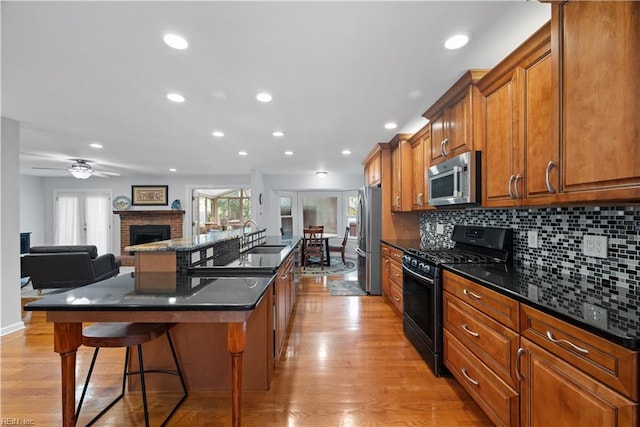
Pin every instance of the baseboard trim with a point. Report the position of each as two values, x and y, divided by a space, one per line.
18 326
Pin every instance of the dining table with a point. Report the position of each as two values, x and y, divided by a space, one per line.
325 243
157 298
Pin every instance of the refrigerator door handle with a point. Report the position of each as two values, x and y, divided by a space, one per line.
360 252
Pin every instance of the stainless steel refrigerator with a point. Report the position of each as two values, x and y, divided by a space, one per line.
369 234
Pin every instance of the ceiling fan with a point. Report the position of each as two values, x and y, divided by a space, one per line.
81 169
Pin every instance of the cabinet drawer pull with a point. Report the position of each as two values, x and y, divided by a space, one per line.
511 178
469 331
519 354
397 255
397 201
419 199
473 294
550 187
396 274
471 380
396 298
561 341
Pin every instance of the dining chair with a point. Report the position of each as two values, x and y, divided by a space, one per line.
313 246
342 247
319 228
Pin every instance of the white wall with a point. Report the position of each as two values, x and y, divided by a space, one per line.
10 310
32 208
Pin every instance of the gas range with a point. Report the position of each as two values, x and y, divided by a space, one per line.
472 245
422 283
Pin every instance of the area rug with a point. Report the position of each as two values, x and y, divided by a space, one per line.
336 267
345 288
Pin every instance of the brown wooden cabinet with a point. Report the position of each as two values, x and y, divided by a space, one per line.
420 142
455 119
520 150
481 341
596 45
284 294
392 276
400 173
525 367
373 167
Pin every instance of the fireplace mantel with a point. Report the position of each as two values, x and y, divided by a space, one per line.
172 217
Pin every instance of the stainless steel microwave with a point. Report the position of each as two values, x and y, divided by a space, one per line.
455 181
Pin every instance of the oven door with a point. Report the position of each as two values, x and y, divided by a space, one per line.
422 320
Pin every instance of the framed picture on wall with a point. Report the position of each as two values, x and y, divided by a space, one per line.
149 195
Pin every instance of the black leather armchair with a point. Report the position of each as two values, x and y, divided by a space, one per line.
68 266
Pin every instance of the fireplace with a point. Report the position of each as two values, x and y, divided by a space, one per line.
139 234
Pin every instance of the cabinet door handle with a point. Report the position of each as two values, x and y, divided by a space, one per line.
561 341
443 147
515 186
469 331
550 187
511 178
473 294
519 354
397 201
466 375
419 199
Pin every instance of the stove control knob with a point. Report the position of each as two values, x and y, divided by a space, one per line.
414 262
424 267
406 259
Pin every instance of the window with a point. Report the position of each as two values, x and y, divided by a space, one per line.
352 213
221 209
320 210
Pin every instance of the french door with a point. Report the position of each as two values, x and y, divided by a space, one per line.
83 218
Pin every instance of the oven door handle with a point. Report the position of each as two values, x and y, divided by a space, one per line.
413 273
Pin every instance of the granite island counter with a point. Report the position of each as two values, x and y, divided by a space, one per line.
221 320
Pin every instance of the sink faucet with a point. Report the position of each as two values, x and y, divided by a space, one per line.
244 233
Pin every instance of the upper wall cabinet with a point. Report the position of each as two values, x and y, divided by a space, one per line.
420 142
595 45
455 119
373 167
520 150
400 173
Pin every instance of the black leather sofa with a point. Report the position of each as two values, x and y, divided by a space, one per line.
71 266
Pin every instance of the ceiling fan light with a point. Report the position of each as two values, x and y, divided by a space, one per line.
80 171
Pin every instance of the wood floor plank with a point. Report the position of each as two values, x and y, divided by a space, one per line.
346 363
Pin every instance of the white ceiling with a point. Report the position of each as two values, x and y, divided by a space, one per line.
80 72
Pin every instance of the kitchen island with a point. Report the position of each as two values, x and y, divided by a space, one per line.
221 321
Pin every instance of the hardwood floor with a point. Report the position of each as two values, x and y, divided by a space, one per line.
347 363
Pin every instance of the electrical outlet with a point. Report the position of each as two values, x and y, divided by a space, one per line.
532 238
440 228
595 246
532 292
597 316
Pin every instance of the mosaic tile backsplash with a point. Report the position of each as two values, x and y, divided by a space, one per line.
560 240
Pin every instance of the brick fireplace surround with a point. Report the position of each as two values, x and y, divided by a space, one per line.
171 217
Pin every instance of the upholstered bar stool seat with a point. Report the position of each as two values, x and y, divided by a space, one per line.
126 335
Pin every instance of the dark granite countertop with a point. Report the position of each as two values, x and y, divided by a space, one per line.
159 292
560 295
548 289
252 263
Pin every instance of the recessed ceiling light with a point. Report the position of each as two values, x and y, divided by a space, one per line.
321 174
172 169
217 133
175 41
457 41
242 153
264 97
390 125
95 145
346 152
288 153
175 97
278 133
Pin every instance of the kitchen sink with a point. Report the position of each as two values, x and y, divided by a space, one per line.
265 249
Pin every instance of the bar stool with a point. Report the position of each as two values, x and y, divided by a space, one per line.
107 334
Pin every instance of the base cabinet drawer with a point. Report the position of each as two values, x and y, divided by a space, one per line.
499 401
396 297
493 343
554 393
